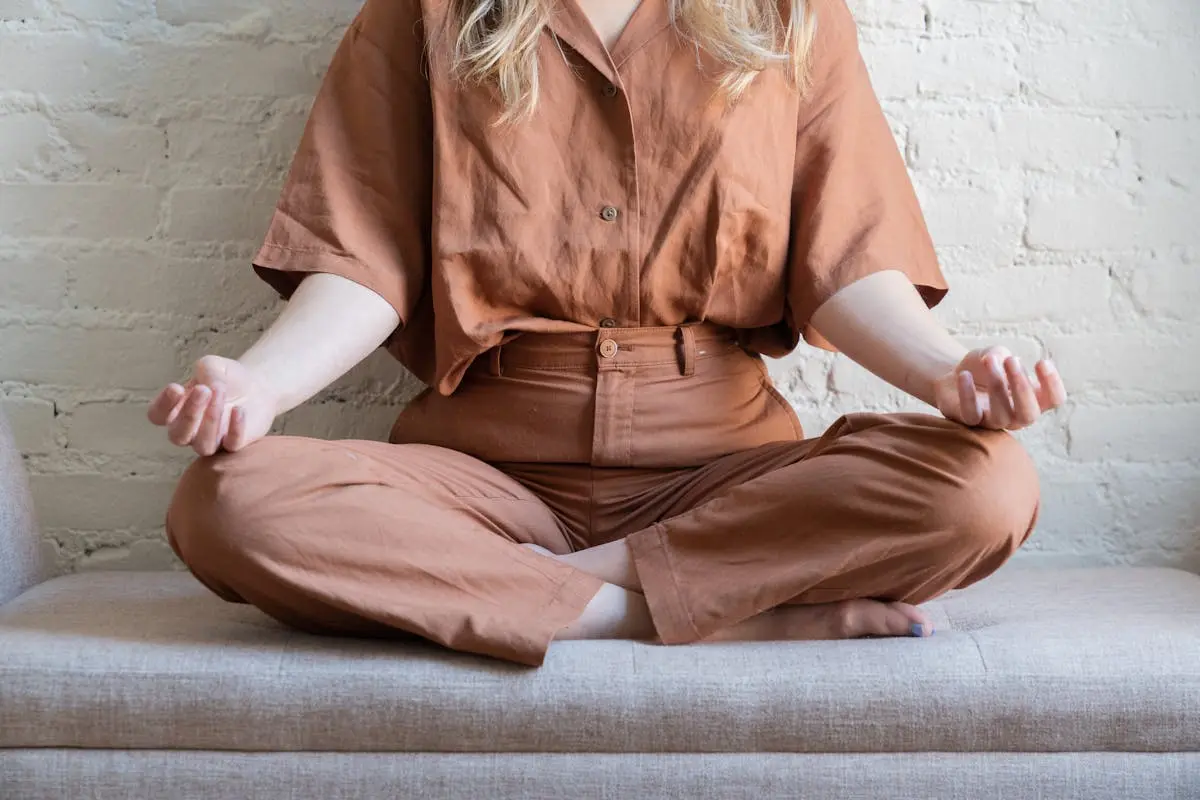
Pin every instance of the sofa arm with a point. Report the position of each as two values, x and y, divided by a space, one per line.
21 562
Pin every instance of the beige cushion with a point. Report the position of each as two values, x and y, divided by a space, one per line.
208 775
1049 661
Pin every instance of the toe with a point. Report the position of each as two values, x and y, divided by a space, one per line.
915 622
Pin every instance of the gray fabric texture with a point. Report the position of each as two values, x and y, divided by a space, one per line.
20 556
1036 660
199 775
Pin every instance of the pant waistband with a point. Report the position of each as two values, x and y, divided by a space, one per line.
613 348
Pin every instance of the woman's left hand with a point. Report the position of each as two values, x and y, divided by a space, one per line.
989 389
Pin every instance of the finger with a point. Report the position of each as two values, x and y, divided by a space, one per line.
1000 410
208 434
1025 402
1052 393
164 403
236 438
183 430
178 409
971 412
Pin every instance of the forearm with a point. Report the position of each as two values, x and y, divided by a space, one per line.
882 323
329 325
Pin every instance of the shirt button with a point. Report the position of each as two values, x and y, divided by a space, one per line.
609 213
610 90
608 322
608 348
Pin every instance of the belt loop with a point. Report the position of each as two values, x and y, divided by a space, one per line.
494 361
687 350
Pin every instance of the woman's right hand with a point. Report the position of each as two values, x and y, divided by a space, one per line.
223 406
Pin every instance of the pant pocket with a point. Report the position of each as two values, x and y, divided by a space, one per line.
777 397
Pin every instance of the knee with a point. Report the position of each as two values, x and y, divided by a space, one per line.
212 515
994 501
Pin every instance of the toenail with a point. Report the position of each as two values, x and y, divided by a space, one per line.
917 629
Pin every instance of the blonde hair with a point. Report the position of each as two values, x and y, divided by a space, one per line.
497 43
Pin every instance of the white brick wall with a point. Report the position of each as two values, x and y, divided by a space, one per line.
1055 145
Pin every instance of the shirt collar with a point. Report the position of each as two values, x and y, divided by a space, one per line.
571 25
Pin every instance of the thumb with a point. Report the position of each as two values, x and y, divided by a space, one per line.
235 437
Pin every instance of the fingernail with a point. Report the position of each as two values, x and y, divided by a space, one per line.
917 629
1017 364
1050 366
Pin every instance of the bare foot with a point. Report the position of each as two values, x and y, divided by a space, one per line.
611 563
848 619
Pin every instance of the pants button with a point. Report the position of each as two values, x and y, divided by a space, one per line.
608 348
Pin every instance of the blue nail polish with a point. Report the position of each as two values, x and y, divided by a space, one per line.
917 629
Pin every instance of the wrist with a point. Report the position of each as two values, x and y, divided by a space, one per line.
265 395
924 374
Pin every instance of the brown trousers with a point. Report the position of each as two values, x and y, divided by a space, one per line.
673 439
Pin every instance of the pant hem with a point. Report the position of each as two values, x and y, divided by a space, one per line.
672 622
568 603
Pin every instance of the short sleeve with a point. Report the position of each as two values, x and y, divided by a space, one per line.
357 199
854 210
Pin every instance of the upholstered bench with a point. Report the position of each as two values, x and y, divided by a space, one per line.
1039 683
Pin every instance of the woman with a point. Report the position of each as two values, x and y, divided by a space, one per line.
582 223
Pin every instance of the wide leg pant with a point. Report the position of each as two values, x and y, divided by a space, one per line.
672 439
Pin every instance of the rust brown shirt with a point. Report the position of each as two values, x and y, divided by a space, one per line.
634 197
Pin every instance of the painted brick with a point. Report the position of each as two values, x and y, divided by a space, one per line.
1029 294
1165 148
22 10
1167 287
78 210
144 554
986 141
32 423
1118 19
292 14
152 282
1147 433
1134 360
1111 219
29 147
117 359
972 18
107 10
977 217
119 427
112 145
1123 74
961 68
1160 510
62 65
891 67
227 69
889 15
97 502
1076 510
1053 144
32 278
220 213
